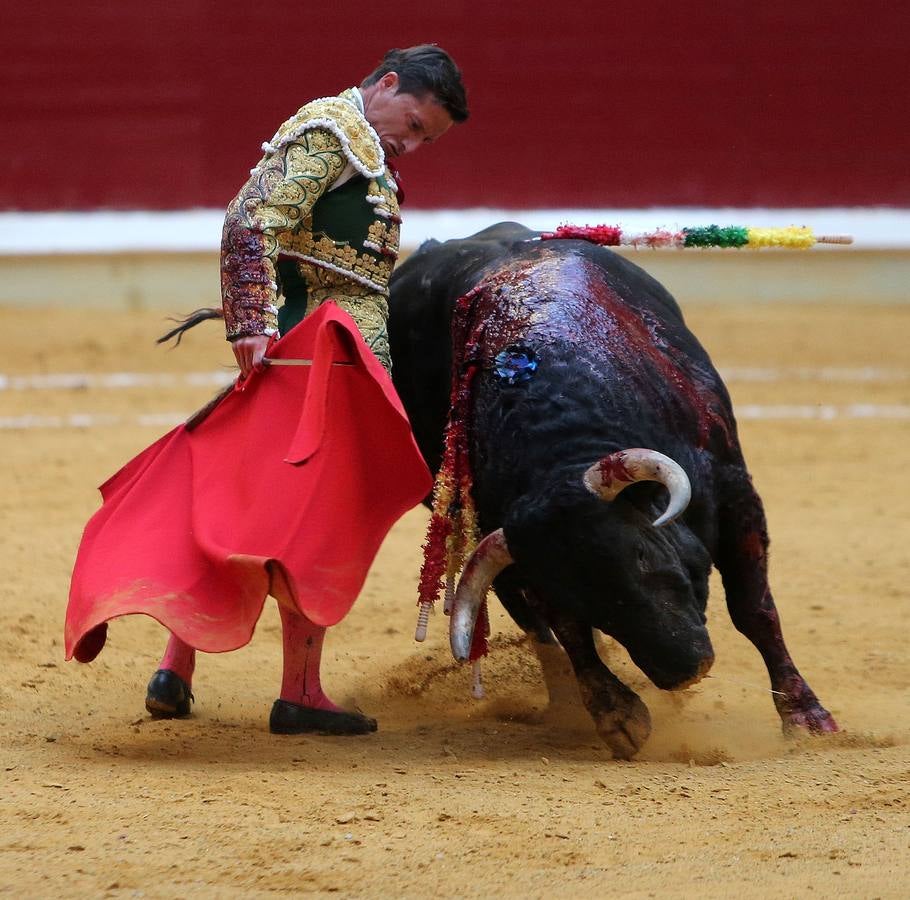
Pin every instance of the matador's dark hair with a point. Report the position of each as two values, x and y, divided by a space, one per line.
425 69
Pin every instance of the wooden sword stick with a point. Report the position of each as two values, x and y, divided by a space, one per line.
267 361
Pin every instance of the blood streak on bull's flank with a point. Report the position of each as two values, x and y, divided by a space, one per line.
633 339
506 309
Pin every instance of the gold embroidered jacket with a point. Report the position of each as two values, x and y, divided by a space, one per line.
339 241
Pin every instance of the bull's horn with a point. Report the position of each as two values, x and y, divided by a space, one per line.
615 472
489 558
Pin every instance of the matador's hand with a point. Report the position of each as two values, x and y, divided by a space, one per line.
249 351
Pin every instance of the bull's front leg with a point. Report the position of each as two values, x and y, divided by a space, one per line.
621 719
562 686
743 563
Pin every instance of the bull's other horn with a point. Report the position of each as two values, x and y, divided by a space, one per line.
489 558
615 472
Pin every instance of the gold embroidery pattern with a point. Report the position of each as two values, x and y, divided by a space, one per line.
357 137
309 169
383 236
322 250
384 239
272 214
277 197
369 310
384 201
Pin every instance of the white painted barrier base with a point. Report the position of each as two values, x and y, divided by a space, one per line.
180 282
169 260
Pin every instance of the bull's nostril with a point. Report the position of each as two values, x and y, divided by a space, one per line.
704 667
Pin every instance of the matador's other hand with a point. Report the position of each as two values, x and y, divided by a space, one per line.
249 351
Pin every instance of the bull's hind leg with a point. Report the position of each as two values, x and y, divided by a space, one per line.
742 559
622 720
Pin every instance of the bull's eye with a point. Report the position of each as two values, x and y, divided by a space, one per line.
515 364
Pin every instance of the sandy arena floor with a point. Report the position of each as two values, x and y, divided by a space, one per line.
457 797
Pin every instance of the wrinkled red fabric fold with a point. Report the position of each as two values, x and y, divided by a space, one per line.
299 472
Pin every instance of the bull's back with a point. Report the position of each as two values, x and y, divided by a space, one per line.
609 333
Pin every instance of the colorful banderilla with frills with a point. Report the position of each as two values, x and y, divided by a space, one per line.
792 237
453 532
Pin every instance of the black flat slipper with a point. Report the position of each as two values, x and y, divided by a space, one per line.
168 696
291 718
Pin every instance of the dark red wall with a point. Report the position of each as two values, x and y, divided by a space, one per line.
588 103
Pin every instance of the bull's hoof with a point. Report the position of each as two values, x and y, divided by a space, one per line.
815 720
799 709
291 718
626 728
168 696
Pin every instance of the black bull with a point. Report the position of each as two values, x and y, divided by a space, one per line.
616 368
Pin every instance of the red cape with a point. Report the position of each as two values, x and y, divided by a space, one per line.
299 472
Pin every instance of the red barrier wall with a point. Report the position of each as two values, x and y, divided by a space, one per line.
163 105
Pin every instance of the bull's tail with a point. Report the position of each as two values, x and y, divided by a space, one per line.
190 321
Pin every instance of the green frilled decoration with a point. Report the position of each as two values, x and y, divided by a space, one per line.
716 236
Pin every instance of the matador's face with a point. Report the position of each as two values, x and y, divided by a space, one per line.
403 122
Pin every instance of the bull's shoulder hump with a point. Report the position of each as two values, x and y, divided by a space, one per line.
460 263
504 232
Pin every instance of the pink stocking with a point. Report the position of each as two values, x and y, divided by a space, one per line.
302 654
179 658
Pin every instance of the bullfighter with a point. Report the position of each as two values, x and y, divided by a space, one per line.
249 498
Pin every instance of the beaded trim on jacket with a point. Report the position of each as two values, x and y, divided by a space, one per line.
381 286
343 118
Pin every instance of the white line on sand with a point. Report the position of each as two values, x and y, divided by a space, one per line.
80 381
91 420
845 374
751 411
823 411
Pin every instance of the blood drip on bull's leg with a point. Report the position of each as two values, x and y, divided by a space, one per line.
796 702
302 642
179 658
743 564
